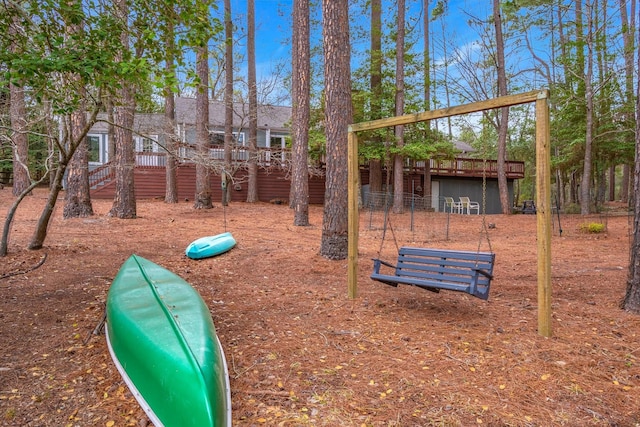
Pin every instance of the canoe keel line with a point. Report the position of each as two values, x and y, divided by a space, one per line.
163 342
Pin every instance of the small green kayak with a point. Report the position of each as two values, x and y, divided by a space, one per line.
162 340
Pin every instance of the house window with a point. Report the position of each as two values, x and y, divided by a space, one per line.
277 141
93 141
146 145
217 138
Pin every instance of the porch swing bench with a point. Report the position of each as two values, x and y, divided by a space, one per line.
436 269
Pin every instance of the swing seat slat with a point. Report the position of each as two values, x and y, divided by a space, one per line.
436 269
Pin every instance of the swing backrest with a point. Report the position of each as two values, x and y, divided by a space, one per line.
435 269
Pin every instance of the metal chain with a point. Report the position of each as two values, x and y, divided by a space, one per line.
484 205
387 221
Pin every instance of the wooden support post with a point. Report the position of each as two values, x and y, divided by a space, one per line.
354 212
543 215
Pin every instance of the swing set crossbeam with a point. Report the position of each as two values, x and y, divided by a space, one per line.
436 269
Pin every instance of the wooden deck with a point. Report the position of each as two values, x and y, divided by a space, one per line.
475 168
150 182
273 181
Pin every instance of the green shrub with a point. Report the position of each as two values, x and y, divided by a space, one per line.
592 227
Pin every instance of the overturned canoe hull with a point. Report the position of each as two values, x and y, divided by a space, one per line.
210 246
162 339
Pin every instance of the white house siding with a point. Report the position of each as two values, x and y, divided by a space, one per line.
273 122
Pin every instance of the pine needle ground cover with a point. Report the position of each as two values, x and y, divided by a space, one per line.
301 353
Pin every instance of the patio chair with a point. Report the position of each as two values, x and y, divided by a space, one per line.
468 205
452 205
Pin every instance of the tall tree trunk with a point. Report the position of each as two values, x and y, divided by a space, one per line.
565 176
301 86
585 185
40 234
338 115
602 104
426 19
67 147
612 183
628 30
375 165
503 124
111 129
124 203
171 167
445 77
573 188
52 150
18 113
4 240
631 301
18 117
626 186
203 181
252 189
426 57
171 179
228 101
398 161
77 197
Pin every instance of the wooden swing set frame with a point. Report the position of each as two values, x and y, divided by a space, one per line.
543 186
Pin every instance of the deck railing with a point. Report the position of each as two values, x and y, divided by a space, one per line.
151 159
264 155
475 168
100 175
281 157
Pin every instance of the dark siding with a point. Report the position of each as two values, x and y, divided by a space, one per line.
274 184
472 188
150 183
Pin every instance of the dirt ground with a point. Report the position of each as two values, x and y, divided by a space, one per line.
299 351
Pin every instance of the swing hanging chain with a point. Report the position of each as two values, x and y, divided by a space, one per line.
484 206
384 231
387 220
393 233
483 229
224 215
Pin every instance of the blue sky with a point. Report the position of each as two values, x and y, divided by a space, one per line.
273 30
469 82
273 26
273 22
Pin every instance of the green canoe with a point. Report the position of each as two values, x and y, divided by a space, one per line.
162 339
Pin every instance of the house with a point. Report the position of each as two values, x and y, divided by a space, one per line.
462 176
149 138
459 177
466 176
150 175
